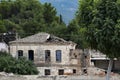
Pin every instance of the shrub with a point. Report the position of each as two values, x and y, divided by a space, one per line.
24 66
17 66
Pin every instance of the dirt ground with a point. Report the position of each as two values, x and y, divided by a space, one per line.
92 74
34 77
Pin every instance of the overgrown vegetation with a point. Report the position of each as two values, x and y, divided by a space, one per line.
18 66
27 17
101 21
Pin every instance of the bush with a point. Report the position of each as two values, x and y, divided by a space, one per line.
17 66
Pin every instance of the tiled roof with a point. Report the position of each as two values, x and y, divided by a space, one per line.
42 38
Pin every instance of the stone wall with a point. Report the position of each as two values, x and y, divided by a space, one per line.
68 70
67 64
39 50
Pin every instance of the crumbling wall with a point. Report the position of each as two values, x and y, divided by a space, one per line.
85 58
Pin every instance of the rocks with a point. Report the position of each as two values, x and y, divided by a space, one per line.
11 74
3 74
6 74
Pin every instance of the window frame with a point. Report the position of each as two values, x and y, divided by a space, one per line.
59 56
31 55
47 72
60 71
47 54
20 53
74 71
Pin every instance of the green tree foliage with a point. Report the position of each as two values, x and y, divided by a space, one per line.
28 16
77 27
49 13
84 16
2 27
54 24
17 66
100 18
58 30
57 27
73 33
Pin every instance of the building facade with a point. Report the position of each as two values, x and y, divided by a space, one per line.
52 55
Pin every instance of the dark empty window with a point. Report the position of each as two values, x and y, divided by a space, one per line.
47 56
74 71
20 53
58 55
31 55
61 71
47 71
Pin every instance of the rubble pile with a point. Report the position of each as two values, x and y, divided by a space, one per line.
99 72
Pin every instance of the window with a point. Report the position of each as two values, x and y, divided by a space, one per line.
47 71
31 55
47 56
58 55
20 53
74 71
61 71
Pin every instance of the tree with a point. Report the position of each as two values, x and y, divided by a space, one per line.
49 13
61 19
28 17
101 20
73 33
2 27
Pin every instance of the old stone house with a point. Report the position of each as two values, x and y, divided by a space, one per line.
52 55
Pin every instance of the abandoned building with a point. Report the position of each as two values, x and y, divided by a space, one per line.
52 55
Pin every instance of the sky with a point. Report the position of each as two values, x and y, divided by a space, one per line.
67 8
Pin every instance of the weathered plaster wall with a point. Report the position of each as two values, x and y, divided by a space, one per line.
39 57
55 70
39 50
